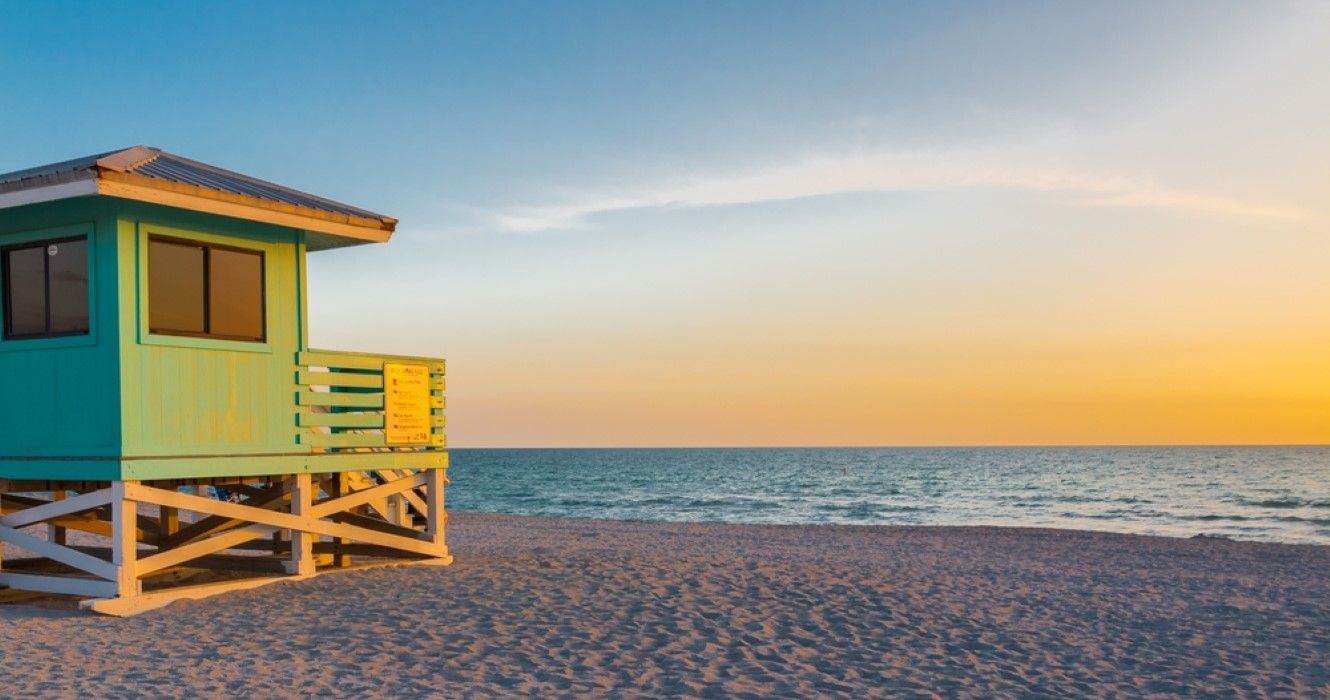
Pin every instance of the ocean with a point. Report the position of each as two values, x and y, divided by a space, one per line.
1279 494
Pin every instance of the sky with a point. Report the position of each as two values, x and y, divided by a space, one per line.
767 223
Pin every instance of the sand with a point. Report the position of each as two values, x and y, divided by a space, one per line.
555 607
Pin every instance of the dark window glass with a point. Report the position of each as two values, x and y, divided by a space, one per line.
25 289
235 293
175 287
45 288
67 265
203 290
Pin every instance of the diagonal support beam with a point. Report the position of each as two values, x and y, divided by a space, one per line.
70 557
204 547
357 498
55 509
215 523
411 496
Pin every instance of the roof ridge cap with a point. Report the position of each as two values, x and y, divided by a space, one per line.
129 158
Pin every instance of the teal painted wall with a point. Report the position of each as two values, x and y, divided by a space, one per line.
60 397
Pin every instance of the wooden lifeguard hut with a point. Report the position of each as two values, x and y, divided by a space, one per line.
155 350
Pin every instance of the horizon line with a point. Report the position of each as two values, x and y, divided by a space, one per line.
903 447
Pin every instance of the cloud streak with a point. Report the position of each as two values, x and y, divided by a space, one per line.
824 176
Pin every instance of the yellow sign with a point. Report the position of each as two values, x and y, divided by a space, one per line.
406 415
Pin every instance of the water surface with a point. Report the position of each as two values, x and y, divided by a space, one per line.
1254 493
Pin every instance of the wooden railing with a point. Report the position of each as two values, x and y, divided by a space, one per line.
342 406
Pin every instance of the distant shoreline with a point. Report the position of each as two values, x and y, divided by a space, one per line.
981 529
1127 446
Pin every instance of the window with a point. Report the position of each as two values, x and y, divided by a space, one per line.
201 290
45 288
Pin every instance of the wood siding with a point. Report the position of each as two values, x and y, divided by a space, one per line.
196 396
59 396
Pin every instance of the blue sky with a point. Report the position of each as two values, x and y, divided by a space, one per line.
659 223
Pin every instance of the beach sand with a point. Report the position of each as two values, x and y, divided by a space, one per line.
558 607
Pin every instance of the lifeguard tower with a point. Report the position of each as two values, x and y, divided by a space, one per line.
155 350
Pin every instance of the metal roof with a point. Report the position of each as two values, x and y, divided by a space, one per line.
138 168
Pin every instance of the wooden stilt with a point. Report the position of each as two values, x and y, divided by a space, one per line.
341 486
124 541
170 521
435 516
302 504
56 533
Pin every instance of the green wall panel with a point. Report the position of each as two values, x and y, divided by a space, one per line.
192 396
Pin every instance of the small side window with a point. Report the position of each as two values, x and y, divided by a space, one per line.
45 288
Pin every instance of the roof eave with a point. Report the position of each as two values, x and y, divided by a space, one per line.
112 183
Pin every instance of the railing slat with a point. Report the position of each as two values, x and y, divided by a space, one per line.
340 420
336 358
333 361
341 379
342 440
347 399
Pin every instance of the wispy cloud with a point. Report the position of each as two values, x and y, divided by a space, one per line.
823 176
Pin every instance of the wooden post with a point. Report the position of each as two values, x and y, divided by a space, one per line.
341 487
55 533
124 541
436 518
169 519
397 514
302 543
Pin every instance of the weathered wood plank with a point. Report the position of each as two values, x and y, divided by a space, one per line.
62 585
339 361
351 500
436 518
369 550
411 496
302 499
271 500
358 360
68 506
342 440
347 399
124 539
375 524
69 557
340 379
210 545
339 420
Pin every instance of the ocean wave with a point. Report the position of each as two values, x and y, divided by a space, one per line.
1283 503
